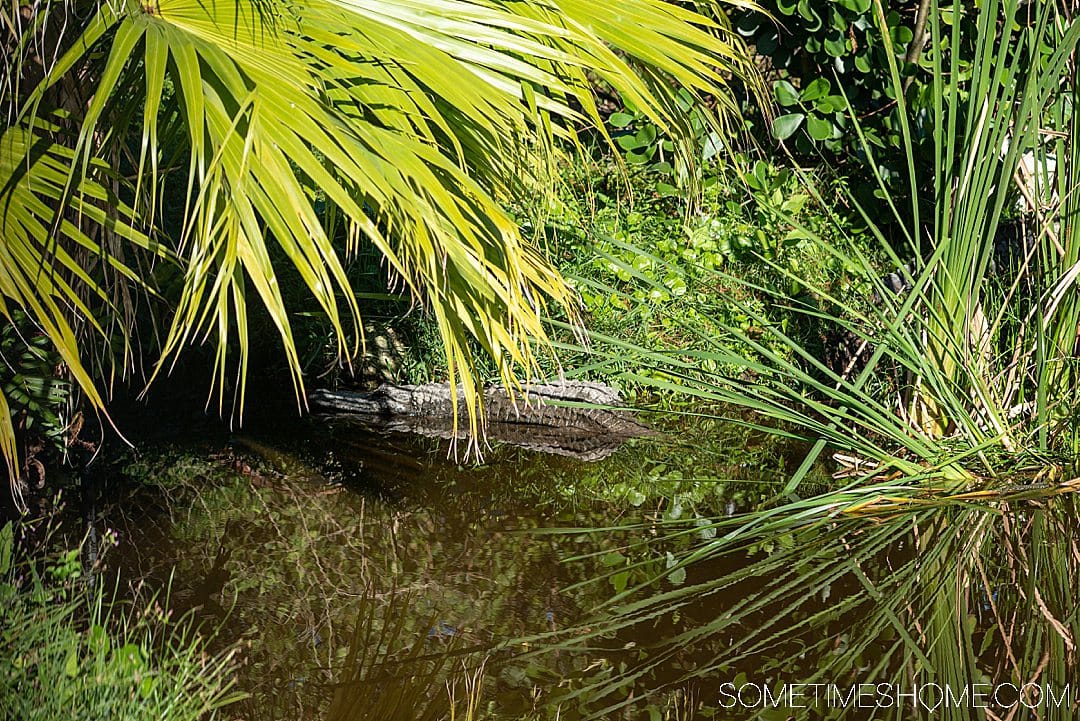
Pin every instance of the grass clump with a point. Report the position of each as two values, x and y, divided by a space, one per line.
972 372
946 552
69 651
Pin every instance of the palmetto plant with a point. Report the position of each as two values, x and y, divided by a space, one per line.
169 149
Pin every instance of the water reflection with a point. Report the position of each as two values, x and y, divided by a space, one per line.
954 609
288 550
370 577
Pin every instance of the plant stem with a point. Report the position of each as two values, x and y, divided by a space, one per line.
918 40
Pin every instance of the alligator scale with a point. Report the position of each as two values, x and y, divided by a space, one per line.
539 420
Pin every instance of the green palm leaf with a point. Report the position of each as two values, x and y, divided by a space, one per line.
39 271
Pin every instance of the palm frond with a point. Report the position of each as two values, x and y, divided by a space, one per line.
40 273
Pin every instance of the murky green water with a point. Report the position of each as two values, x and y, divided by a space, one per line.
371 577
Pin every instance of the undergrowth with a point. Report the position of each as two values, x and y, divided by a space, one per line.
70 650
656 274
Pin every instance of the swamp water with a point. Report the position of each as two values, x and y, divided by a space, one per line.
367 576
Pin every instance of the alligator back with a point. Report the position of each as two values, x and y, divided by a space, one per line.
537 419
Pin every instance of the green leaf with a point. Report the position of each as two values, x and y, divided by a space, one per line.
794 204
757 178
901 35
677 573
838 21
647 134
855 6
71 665
129 657
713 146
619 581
613 559
785 126
7 543
830 104
620 120
786 7
147 686
98 639
836 44
808 13
819 128
818 88
785 93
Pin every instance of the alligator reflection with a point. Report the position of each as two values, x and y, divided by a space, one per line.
368 577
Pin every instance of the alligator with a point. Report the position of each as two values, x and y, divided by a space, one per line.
537 420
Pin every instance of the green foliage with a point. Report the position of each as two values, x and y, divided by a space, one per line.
29 380
831 69
969 371
70 652
649 276
830 61
650 153
257 135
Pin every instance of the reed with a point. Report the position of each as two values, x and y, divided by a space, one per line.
973 370
947 554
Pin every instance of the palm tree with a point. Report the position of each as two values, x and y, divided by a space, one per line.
303 129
